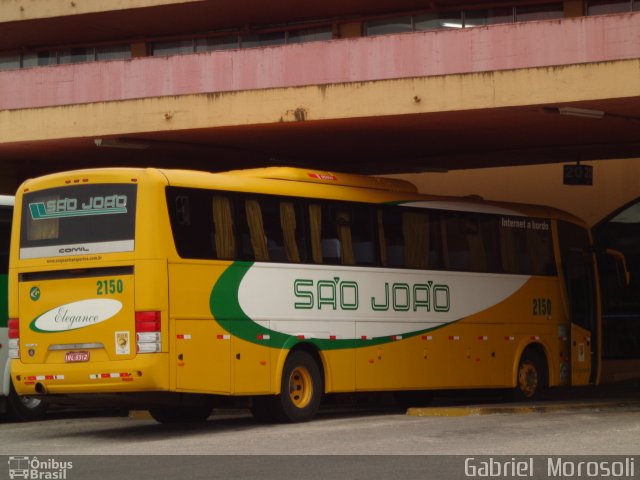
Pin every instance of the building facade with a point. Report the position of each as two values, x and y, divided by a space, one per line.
385 86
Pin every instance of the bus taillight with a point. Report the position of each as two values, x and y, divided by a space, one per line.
148 332
14 338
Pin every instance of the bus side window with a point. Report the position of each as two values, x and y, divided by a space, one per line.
391 238
526 246
223 234
459 231
344 243
362 236
182 210
541 250
415 230
253 215
290 237
315 231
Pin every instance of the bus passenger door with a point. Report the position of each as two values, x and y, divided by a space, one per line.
579 279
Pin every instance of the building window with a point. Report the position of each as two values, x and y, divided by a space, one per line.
528 13
76 55
233 41
262 39
39 59
309 35
228 42
437 20
488 16
389 25
467 18
173 48
114 52
9 61
603 7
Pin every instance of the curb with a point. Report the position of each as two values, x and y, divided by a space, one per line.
140 415
464 411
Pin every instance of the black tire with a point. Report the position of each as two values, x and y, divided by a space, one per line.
301 389
25 409
181 414
531 378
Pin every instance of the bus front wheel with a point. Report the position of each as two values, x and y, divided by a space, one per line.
300 391
531 377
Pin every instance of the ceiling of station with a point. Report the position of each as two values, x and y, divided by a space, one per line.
392 144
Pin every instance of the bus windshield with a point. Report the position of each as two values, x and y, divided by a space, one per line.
77 220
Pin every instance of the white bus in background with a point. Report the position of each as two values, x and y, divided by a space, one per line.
11 405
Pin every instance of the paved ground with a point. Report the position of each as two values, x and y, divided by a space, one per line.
363 442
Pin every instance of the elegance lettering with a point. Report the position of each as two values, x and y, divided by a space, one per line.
74 321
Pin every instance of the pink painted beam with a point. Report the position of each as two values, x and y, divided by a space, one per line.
443 52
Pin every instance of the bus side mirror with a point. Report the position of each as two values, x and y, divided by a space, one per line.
622 272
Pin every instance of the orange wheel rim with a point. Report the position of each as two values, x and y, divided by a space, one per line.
300 387
528 379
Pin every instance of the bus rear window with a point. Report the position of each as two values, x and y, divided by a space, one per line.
78 220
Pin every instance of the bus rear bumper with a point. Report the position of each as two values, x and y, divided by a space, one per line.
149 372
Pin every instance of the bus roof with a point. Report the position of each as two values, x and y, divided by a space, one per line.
328 178
344 186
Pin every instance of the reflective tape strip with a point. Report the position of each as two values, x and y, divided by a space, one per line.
396 337
509 338
223 337
454 338
333 337
427 337
483 338
365 337
100 376
45 377
185 336
264 337
301 336
535 337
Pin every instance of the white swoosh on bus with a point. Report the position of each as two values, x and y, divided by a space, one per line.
72 316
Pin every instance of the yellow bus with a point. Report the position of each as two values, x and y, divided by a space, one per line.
178 291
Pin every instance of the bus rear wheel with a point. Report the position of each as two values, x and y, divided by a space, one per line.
300 391
25 408
531 378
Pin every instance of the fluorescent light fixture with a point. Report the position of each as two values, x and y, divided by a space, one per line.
452 25
120 143
580 112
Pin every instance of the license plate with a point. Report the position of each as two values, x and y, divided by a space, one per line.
73 357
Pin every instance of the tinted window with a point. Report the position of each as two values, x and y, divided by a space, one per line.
80 219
